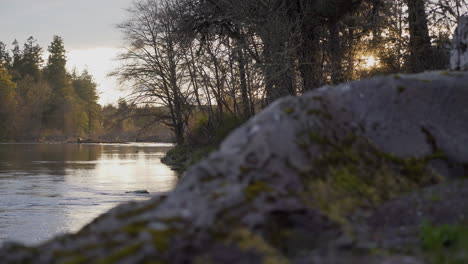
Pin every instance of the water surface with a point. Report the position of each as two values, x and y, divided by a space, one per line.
48 189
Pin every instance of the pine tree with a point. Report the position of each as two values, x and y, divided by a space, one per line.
61 104
5 58
31 60
55 71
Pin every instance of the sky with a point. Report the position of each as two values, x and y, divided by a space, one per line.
88 28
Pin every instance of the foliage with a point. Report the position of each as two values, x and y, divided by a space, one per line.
445 244
7 103
45 102
203 138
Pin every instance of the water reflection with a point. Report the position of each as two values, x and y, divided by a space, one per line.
53 188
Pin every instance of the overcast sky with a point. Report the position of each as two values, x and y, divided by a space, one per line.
87 27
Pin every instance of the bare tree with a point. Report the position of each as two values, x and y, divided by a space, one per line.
154 62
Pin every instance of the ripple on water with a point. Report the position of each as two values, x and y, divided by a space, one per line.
52 189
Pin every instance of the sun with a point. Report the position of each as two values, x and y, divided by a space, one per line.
370 62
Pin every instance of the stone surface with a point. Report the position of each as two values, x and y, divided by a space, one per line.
286 187
459 54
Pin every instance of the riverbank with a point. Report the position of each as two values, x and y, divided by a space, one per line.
181 157
205 137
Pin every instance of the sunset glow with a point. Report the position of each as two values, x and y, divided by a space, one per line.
370 62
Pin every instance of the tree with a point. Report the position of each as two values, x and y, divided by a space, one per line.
154 62
31 59
289 34
55 71
85 88
64 114
32 97
7 103
5 59
420 42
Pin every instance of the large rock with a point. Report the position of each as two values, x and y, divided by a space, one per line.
286 186
459 54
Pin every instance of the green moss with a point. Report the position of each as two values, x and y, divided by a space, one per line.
77 260
413 168
318 98
135 228
445 73
162 238
65 254
171 220
435 198
445 244
121 254
139 211
320 113
289 110
216 195
245 169
401 89
318 139
425 80
452 74
250 242
437 153
203 260
351 173
254 189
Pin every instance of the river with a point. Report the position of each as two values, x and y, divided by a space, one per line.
49 189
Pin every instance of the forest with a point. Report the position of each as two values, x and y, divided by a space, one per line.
44 102
201 68
213 64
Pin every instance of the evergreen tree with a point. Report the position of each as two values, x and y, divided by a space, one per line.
55 71
85 89
16 61
5 58
60 110
31 60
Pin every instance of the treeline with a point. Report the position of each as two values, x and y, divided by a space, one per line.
205 60
130 123
43 100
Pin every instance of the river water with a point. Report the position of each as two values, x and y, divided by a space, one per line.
49 189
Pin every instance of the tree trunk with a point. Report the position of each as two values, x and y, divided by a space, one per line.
336 54
279 72
420 42
243 84
310 58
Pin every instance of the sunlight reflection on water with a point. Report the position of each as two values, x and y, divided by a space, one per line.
48 189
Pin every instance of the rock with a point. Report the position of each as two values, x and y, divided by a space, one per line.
283 187
139 192
459 54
